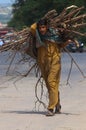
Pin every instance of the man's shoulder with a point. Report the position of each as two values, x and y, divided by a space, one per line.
33 28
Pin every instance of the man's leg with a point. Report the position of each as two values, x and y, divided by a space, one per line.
58 105
53 84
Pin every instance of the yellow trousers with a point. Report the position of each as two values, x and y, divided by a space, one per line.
49 63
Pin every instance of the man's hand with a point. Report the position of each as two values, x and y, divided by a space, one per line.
69 41
76 42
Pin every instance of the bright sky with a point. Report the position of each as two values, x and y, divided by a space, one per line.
6 1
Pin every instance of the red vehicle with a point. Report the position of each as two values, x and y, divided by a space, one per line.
3 32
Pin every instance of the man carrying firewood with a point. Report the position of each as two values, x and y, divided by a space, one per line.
50 36
49 45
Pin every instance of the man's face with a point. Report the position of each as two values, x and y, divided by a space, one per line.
43 29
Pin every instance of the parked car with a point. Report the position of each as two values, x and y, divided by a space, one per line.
73 48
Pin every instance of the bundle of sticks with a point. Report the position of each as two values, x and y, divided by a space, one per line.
69 22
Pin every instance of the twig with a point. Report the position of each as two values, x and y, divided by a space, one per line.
69 72
75 63
11 62
38 100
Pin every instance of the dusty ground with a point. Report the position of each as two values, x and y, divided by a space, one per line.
17 101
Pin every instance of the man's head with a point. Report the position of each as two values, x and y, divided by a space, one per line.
42 26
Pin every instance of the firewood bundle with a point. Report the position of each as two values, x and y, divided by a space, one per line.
17 40
69 23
